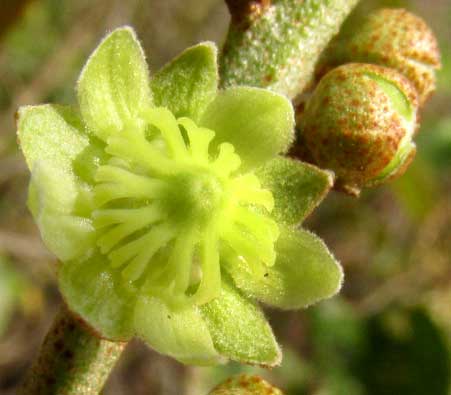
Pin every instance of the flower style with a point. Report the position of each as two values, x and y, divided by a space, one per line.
170 209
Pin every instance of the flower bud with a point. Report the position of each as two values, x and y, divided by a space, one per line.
398 39
245 384
359 123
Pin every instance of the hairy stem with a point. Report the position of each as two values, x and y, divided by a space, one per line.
72 361
276 44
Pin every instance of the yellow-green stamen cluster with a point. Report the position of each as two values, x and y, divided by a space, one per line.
169 210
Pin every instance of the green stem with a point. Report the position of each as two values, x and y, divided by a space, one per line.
72 361
276 45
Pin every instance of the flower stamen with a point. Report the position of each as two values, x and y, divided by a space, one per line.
166 206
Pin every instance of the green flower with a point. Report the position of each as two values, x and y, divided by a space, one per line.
169 208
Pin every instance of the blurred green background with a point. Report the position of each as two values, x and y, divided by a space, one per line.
388 333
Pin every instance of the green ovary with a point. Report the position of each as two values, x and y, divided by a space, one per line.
168 210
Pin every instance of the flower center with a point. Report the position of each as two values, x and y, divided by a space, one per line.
194 197
168 209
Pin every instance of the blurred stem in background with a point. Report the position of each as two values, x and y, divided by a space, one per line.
11 10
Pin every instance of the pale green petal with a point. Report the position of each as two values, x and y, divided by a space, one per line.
95 292
189 82
297 188
239 329
181 334
51 139
66 235
113 88
258 123
51 133
304 273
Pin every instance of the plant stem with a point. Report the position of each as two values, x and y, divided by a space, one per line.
72 361
276 44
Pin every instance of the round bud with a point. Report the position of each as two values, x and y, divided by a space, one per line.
398 39
359 122
245 384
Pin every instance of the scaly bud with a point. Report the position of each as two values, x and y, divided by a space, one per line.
359 123
246 385
398 39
